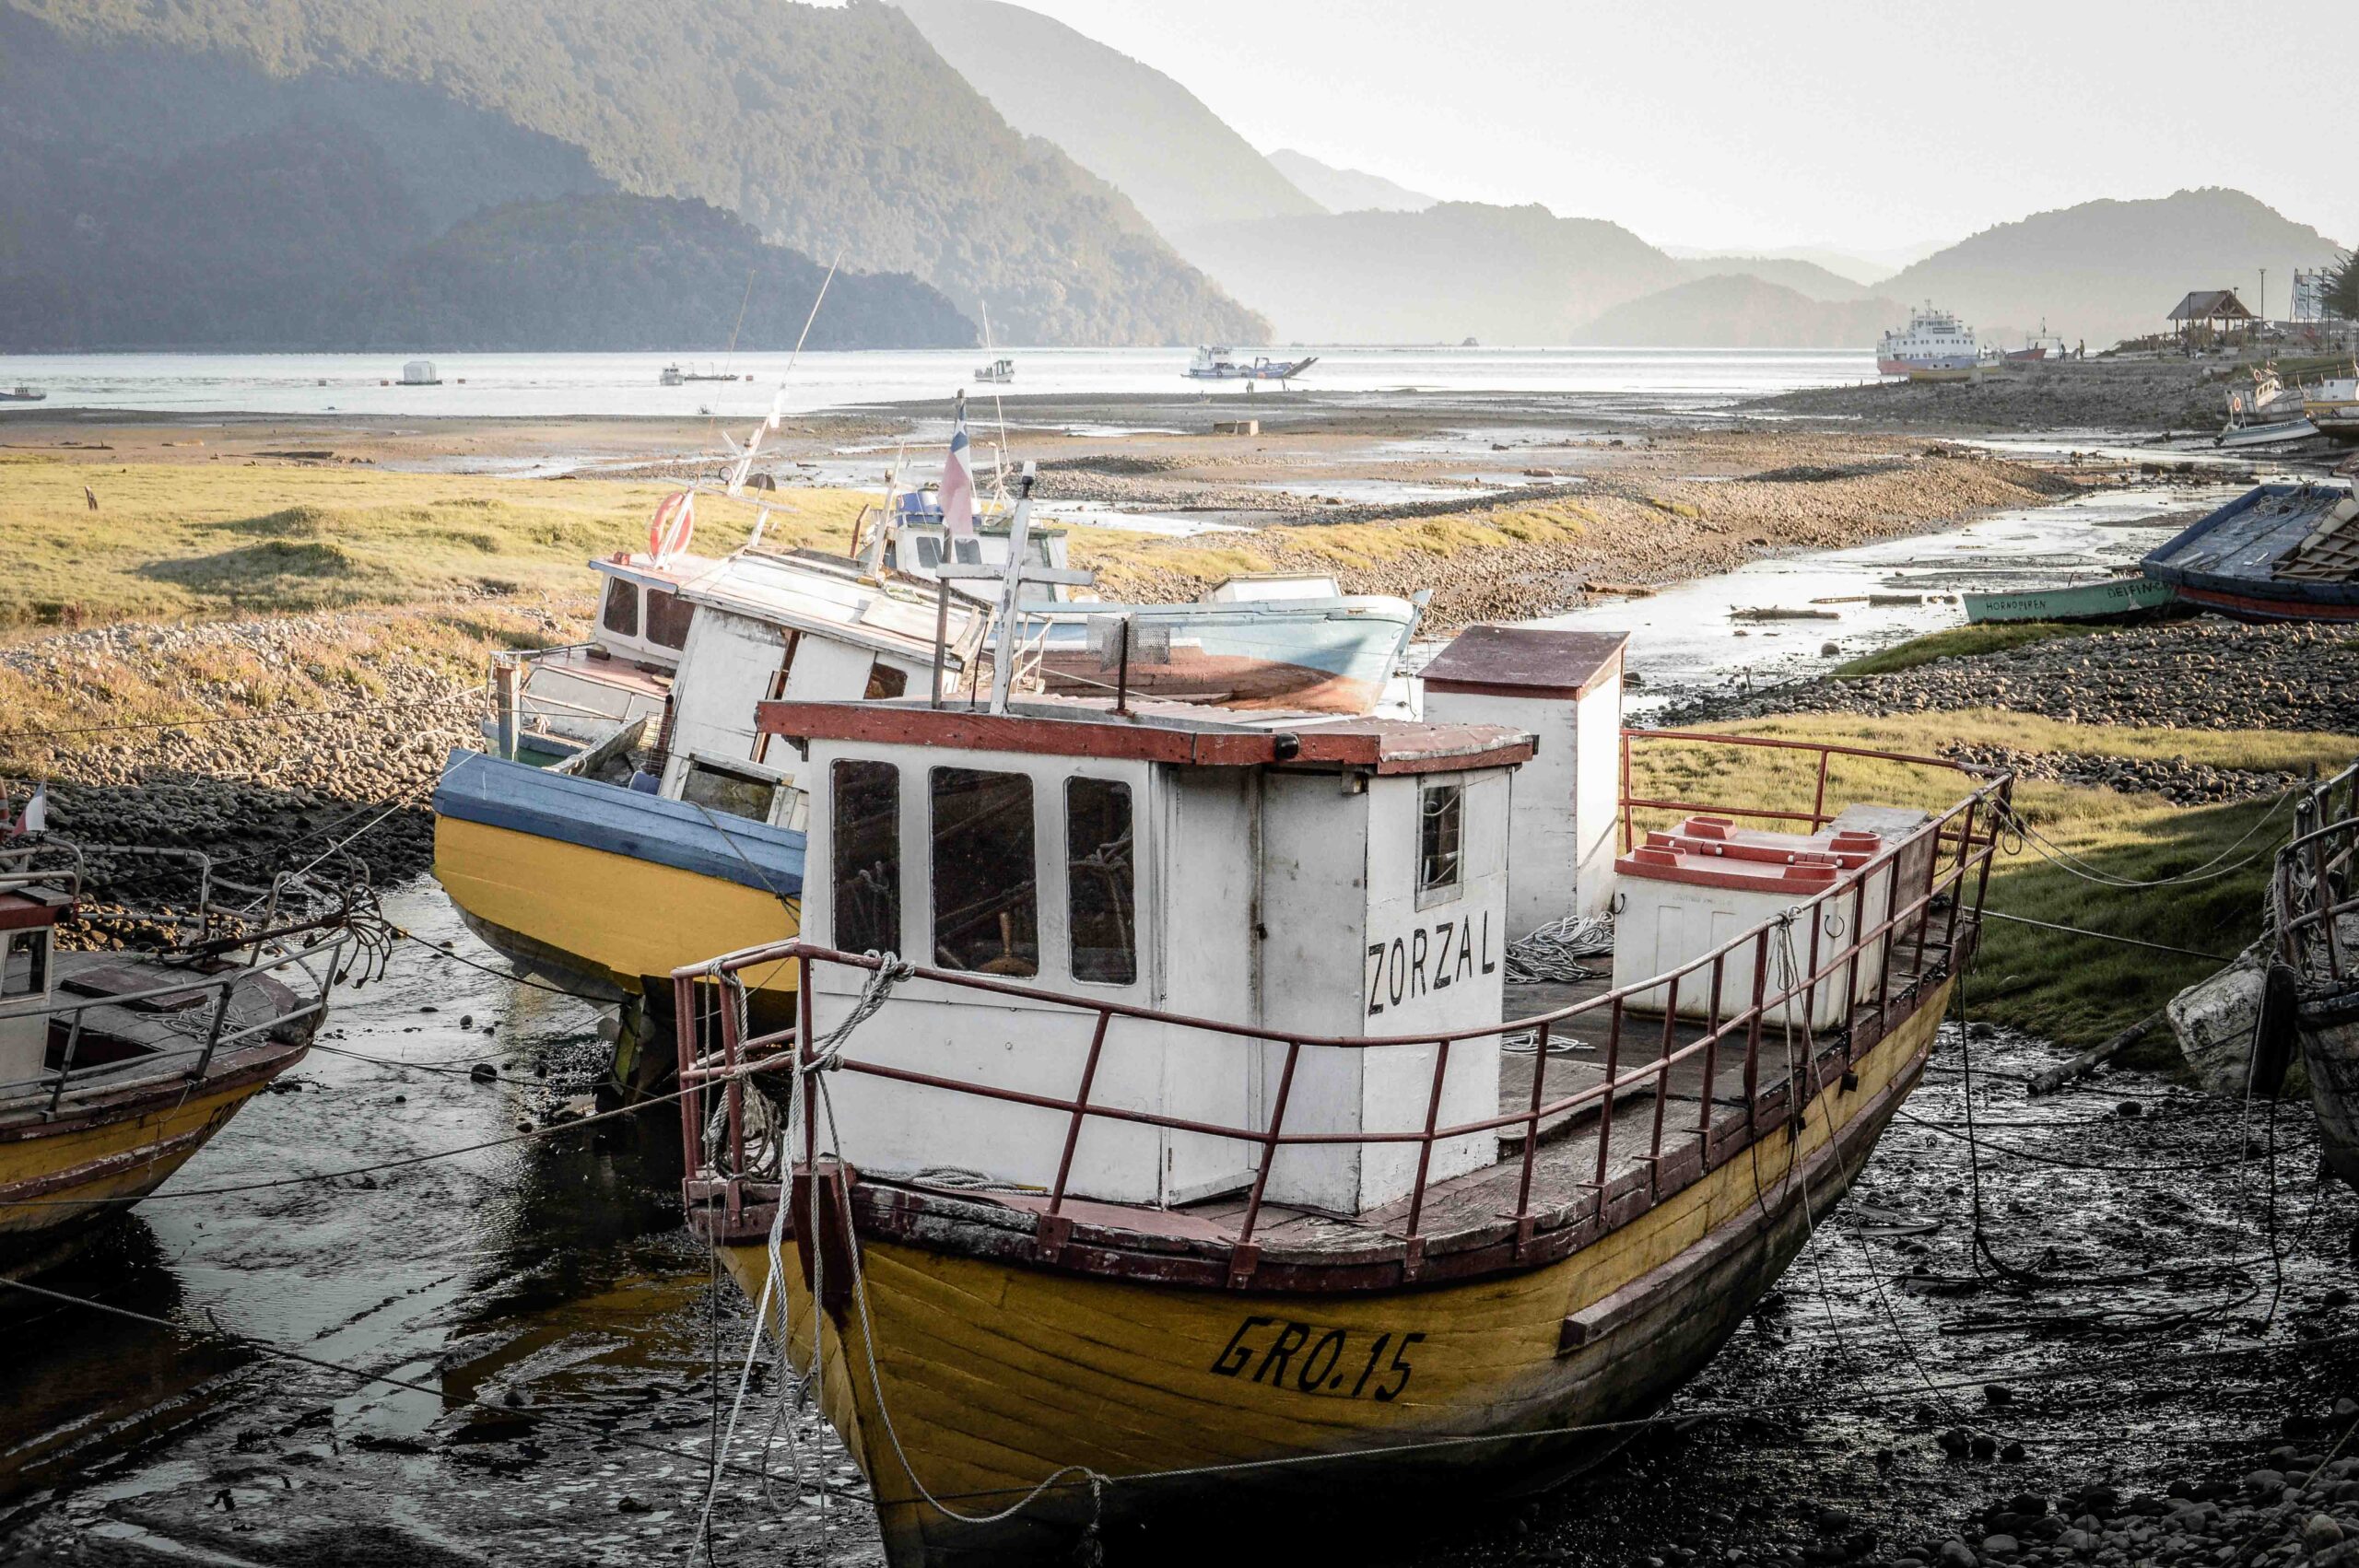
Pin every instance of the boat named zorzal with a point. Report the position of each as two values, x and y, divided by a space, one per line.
1210 1161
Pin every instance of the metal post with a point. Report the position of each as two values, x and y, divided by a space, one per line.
1605 1110
1425 1148
941 633
1531 1123
1753 1031
507 688
65 1067
1080 1109
1662 1073
1711 1062
212 1034
1270 1143
1122 669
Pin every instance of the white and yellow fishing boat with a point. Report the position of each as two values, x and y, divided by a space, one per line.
1200 1165
115 1068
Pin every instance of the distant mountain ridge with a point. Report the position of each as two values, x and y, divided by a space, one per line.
1346 190
305 237
1806 278
1124 122
1742 311
821 127
2107 270
1457 269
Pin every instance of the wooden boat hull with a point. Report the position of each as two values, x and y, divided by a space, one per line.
2074 602
88 1166
994 1374
2329 1028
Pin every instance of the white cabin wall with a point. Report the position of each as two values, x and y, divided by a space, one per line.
1450 952
1544 817
725 669
1314 907
1597 794
953 1032
826 670
1207 846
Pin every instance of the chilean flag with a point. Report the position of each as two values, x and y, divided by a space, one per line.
958 484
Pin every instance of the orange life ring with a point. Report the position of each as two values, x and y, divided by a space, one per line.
674 525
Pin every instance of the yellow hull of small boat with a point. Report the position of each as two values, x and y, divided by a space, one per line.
51 1181
995 1376
609 916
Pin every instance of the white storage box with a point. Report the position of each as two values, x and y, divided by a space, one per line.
1706 881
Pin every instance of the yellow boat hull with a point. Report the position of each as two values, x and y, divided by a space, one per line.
991 1376
599 919
53 1181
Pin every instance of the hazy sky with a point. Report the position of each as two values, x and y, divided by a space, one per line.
1739 123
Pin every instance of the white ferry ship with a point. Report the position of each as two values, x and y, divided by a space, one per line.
1934 340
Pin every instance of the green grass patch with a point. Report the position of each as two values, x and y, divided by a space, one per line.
1960 642
173 540
2070 990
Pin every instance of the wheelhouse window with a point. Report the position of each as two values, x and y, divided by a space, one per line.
967 552
884 681
621 613
24 970
929 549
1440 812
986 889
667 618
1098 881
726 790
864 828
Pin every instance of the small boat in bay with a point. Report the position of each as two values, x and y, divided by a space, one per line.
2277 553
998 372
2108 599
1208 1165
2315 912
23 394
1217 362
117 1066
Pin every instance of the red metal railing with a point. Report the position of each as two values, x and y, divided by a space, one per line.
1957 847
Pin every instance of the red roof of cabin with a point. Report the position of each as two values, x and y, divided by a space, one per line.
1172 733
1492 660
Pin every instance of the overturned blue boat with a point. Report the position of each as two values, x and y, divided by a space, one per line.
2277 553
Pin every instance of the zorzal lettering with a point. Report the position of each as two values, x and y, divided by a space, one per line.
1323 1363
1428 959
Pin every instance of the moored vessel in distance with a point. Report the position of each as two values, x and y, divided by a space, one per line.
1935 342
998 372
1214 1108
2276 552
421 373
23 394
1217 362
670 376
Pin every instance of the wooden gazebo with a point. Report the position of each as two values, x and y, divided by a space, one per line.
2209 314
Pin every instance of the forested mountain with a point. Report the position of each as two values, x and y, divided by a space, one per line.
821 127
1739 310
304 236
2109 270
1460 269
1126 123
1346 190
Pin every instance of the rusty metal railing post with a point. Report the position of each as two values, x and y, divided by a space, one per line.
684 1037
1957 889
1711 1060
806 1050
1080 1109
212 1036
1753 1031
65 1066
1605 1107
1532 1125
1270 1143
1425 1145
1627 839
2322 883
1818 801
1991 851
1663 1081
733 1092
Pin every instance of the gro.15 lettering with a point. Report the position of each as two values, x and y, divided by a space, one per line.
1328 1364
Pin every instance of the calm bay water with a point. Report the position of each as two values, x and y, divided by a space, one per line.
533 385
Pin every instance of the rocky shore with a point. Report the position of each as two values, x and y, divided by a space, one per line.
2207 674
2088 394
300 736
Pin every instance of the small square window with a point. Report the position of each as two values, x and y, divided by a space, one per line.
725 790
621 614
24 970
1440 810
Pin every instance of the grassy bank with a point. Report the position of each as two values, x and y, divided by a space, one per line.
2071 990
1960 642
191 540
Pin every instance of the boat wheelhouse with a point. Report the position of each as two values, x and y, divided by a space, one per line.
681 830
1210 1103
1935 342
2333 407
